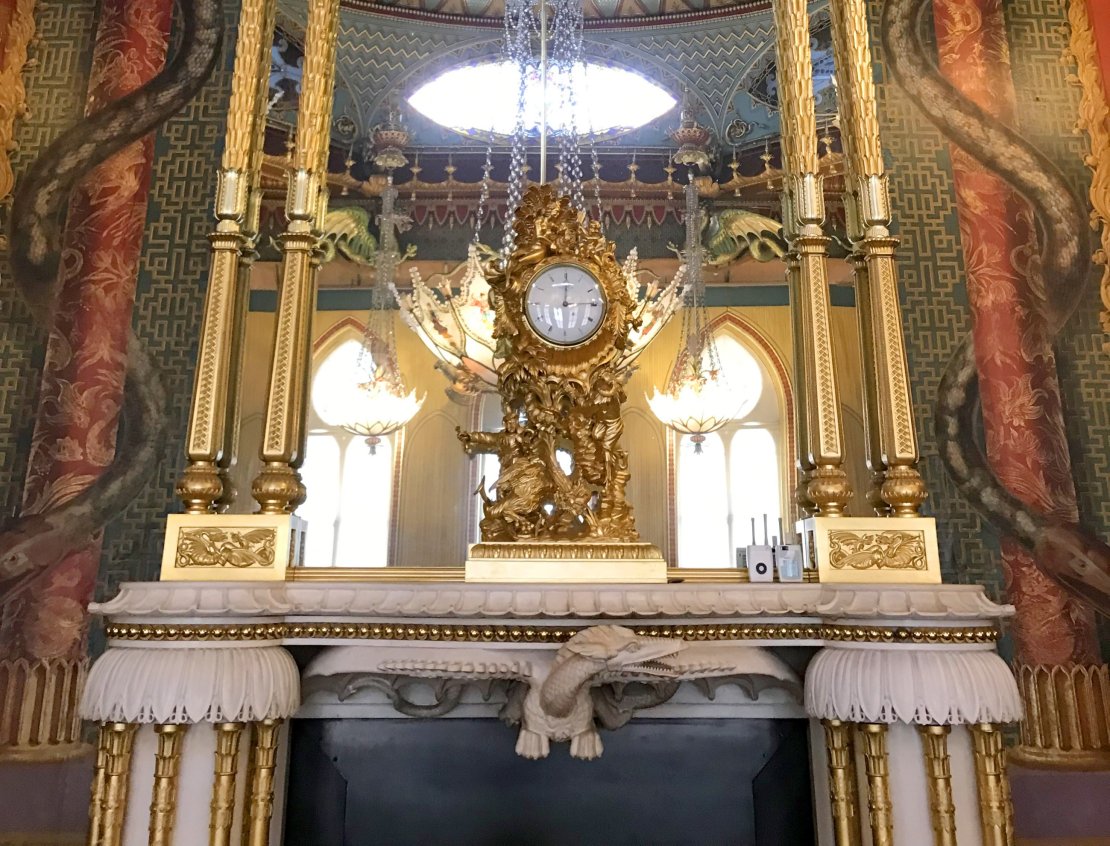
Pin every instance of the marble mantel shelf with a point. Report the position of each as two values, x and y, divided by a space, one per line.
459 601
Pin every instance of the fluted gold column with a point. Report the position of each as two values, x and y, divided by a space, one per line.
995 810
225 770
938 772
213 421
825 484
263 760
109 801
877 767
892 452
163 800
278 488
96 799
842 782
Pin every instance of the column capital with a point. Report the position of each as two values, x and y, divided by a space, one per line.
241 682
926 684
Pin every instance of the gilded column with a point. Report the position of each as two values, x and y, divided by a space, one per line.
223 783
892 451
938 774
877 767
163 802
213 419
995 811
96 799
278 488
825 484
117 771
842 782
264 744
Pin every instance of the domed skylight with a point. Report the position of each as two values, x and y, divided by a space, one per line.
477 99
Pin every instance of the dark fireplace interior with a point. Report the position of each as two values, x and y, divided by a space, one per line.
357 782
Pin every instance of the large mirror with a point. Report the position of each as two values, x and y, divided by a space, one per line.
421 160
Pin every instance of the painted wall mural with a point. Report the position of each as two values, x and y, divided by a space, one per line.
940 195
953 267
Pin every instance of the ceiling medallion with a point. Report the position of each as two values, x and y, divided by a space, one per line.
692 138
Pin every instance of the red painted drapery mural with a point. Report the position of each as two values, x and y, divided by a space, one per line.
1022 411
1099 13
82 382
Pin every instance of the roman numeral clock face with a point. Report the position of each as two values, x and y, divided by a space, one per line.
565 304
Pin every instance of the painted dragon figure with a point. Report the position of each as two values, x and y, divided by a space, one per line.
553 700
32 543
1077 560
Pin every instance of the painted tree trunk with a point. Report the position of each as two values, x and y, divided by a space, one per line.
1022 412
43 637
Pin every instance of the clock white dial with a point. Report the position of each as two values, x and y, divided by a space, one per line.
565 304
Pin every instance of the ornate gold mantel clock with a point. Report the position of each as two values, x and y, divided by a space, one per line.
563 315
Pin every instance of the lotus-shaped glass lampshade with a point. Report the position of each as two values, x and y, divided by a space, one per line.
379 407
351 391
701 398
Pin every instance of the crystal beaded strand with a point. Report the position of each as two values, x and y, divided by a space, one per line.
596 167
483 197
377 357
520 23
567 61
701 351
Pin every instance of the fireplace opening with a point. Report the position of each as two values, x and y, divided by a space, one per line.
357 782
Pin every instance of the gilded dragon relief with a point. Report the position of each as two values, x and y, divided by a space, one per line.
558 397
212 547
877 550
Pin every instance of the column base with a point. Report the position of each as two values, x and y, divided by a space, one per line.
232 547
566 562
1067 723
42 723
876 550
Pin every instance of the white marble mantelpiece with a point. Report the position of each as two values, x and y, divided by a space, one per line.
214 654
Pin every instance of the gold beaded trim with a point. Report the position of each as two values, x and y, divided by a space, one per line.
546 634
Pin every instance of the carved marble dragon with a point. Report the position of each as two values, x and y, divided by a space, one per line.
554 698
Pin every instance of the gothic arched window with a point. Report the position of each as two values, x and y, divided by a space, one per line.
350 486
735 478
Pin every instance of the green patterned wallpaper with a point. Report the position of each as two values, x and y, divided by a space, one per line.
56 83
171 281
1048 104
172 276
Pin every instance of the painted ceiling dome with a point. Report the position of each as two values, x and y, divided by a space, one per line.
604 9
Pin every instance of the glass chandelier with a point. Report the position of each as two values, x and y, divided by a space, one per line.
380 404
697 398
